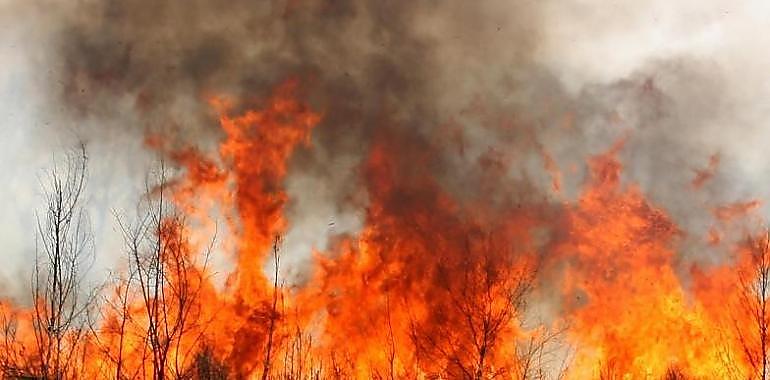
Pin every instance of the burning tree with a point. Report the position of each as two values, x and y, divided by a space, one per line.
153 325
478 318
753 325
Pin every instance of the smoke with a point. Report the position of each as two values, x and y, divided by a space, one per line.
454 137
367 66
507 97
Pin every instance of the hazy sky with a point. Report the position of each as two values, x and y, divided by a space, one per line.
587 42
32 136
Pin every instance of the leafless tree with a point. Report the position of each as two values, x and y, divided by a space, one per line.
754 302
112 321
390 372
274 316
487 297
64 253
299 363
542 356
14 359
168 277
289 348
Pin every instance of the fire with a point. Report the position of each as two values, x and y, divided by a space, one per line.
245 181
423 276
435 285
627 303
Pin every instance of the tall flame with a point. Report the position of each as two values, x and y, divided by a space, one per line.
433 286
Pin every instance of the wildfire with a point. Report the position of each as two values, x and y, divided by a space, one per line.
433 286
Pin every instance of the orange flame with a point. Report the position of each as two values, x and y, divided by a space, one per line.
434 285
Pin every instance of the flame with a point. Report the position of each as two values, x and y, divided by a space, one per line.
628 306
435 285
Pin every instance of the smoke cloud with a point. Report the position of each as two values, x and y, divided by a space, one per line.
523 90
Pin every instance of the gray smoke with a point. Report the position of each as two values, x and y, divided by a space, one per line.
494 81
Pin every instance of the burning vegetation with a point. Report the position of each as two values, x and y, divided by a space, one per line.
505 229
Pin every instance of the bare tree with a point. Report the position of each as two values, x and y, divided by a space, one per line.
487 298
542 356
64 253
274 316
288 351
299 363
754 303
15 361
113 322
168 278
391 351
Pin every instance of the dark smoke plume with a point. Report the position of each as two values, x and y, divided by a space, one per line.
461 82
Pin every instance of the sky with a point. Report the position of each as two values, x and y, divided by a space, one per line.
586 43
32 136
